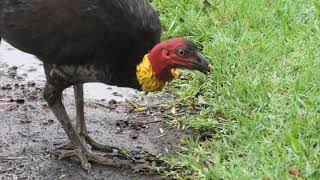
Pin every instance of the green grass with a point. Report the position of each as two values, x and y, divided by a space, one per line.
263 96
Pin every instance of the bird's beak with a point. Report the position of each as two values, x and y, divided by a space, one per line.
200 63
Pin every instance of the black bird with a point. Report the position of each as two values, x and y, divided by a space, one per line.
116 42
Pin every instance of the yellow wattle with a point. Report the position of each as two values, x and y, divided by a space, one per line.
147 79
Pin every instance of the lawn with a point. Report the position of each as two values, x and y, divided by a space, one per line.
262 100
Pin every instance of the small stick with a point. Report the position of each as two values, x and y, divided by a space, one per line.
158 136
100 104
12 158
152 122
132 104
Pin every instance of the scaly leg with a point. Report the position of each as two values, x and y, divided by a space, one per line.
81 125
53 96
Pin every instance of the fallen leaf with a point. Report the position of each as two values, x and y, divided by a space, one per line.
119 131
185 77
166 149
294 172
134 134
173 110
140 161
266 178
141 167
112 104
302 112
132 104
161 130
207 163
92 104
63 176
159 136
141 109
201 100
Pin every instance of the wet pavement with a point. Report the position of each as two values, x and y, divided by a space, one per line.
30 135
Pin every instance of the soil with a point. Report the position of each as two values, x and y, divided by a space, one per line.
30 135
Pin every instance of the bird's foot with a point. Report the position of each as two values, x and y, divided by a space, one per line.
86 157
67 146
98 146
93 144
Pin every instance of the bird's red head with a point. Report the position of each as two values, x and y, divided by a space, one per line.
176 53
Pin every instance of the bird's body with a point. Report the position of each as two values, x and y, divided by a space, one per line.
116 42
108 37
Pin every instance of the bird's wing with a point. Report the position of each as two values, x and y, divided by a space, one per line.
74 31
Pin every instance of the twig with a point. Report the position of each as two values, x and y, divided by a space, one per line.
158 136
153 122
100 104
11 158
132 104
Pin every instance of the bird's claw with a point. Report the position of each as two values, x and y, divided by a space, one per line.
96 146
76 152
85 157
67 146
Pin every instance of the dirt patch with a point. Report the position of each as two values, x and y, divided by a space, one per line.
30 135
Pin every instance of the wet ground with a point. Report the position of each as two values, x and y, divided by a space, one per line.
30 136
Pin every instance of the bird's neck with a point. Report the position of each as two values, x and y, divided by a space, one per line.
148 76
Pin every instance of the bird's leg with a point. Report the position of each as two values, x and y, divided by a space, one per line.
80 122
81 125
53 96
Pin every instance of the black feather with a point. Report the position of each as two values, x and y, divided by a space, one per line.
116 33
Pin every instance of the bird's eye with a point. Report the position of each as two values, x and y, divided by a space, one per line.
181 52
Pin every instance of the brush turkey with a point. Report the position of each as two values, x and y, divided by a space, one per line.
116 42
